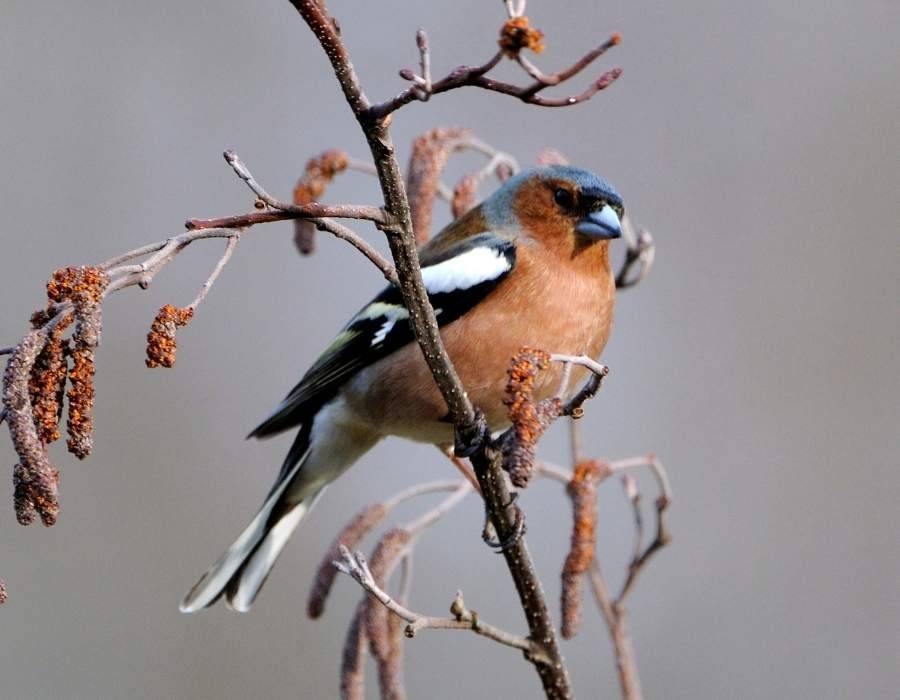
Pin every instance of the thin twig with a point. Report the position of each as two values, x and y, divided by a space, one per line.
349 235
633 495
223 261
661 539
429 518
293 211
640 251
547 80
575 442
406 578
623 649
361 166
424 61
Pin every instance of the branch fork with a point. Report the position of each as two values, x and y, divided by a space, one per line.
356 567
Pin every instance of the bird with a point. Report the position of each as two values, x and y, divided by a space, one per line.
528 267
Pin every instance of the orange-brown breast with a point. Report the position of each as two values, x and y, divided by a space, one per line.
560 304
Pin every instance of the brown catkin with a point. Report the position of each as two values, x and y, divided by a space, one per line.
311 186
582 490
34 478
47 384
353 659
517 34
84 288
161 342
464 194
430 153
529 419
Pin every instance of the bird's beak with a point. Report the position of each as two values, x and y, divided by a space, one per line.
603 224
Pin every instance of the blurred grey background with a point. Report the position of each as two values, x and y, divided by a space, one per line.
758 141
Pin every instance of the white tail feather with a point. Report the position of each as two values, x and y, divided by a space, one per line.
213 582
245 586
337 439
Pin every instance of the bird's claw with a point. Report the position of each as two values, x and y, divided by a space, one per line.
468 441
518 530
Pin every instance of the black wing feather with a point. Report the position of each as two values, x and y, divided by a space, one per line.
356 348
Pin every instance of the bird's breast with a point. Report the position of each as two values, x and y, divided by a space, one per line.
540 307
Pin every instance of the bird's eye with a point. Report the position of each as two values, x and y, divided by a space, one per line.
564 198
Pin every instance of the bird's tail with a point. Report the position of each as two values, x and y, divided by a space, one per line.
242 570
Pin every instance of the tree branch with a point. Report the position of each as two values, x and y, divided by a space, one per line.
355 566
505 519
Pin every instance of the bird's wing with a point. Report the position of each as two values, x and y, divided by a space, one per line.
457 278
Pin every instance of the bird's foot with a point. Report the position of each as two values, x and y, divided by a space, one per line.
488 533
470 439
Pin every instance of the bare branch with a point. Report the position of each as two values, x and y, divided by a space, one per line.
475 76
355 566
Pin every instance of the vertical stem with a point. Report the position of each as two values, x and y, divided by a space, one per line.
498 500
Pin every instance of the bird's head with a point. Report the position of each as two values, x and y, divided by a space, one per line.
558 205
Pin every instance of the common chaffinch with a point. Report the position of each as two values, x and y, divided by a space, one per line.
529 266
